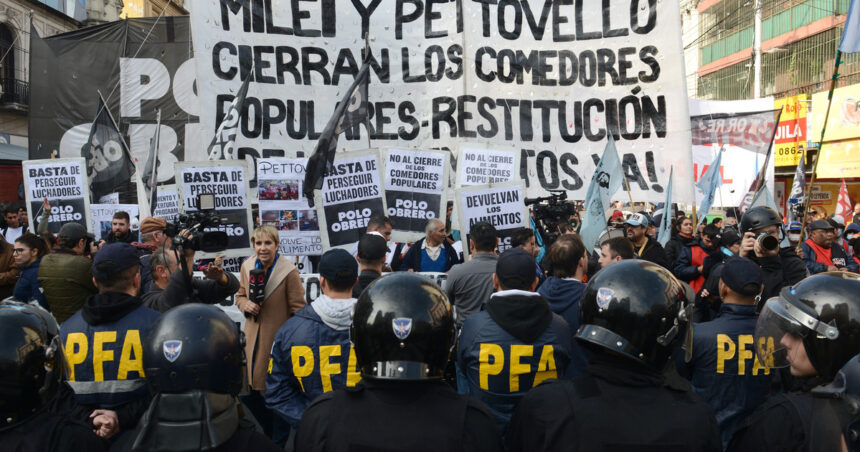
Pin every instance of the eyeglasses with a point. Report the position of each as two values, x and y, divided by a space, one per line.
18 250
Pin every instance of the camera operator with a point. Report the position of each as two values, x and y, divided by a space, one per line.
780 267
170 286
822 253
66 274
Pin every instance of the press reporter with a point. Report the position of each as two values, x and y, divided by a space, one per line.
284 295
170 286
780 267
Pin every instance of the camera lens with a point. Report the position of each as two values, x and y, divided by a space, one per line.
768 241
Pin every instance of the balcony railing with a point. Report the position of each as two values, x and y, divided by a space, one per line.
14 91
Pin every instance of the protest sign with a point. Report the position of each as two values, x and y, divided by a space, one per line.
745 129
149 61
102 217
228 182
279 189
551 79
63 182
168 203
501 205
415 190
351 194
480 164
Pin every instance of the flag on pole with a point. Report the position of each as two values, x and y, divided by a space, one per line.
351 111
795 197
223 145
109 164
708 184
850 42
665 231
607 179
150 172
843 204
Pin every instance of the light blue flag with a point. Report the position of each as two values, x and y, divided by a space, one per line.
605 181
709 183
665 231
850 42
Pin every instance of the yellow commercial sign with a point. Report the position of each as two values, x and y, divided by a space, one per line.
790 138
844 121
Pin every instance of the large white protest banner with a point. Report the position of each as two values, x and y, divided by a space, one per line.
62 181
279 189
228 181
502 205
549 78
351 194
745 137
168 203
415 190
102 217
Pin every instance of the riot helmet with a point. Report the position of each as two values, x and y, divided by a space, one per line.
402 329
823 310
32 366
759 217
846 386
637 309
194 347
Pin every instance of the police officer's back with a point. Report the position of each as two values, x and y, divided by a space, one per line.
194 361
31 376
403 331
813 327
103 340
633 318
723 369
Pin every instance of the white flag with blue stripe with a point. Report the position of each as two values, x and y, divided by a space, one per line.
605 181
665 231
708 184
850 42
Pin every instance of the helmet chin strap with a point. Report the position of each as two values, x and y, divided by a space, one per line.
191 421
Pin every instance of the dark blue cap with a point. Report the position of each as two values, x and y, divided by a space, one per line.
516 269
338 265
114 258
742 276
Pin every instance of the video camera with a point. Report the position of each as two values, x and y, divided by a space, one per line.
194 223
551 211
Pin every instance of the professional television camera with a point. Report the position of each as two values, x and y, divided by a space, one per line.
550 212
194 223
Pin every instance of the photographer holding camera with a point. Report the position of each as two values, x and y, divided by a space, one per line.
822 253
170 286
762 232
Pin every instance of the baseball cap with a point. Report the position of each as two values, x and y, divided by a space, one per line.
742 276
372 247
837 222
74 232
820 224
729 237
151 224
516 269
638 219
794 226
114 258
338 265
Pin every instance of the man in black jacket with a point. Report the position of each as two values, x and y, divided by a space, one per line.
170 286
371 256
644 247
780 267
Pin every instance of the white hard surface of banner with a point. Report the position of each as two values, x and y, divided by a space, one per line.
739 165
62 182
282 205
168 203
547 78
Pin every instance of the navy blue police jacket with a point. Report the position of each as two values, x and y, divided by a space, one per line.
512 346
308 358
724 370
103 345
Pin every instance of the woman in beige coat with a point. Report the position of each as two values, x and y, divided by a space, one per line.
284 295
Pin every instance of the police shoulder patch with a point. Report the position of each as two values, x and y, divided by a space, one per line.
402 326
604 296
172 350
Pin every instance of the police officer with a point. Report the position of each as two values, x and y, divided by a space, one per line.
780 267
516 342
813 327
403 331
194 360
31 378
103 339
723 369
312 353
846 387
633 317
